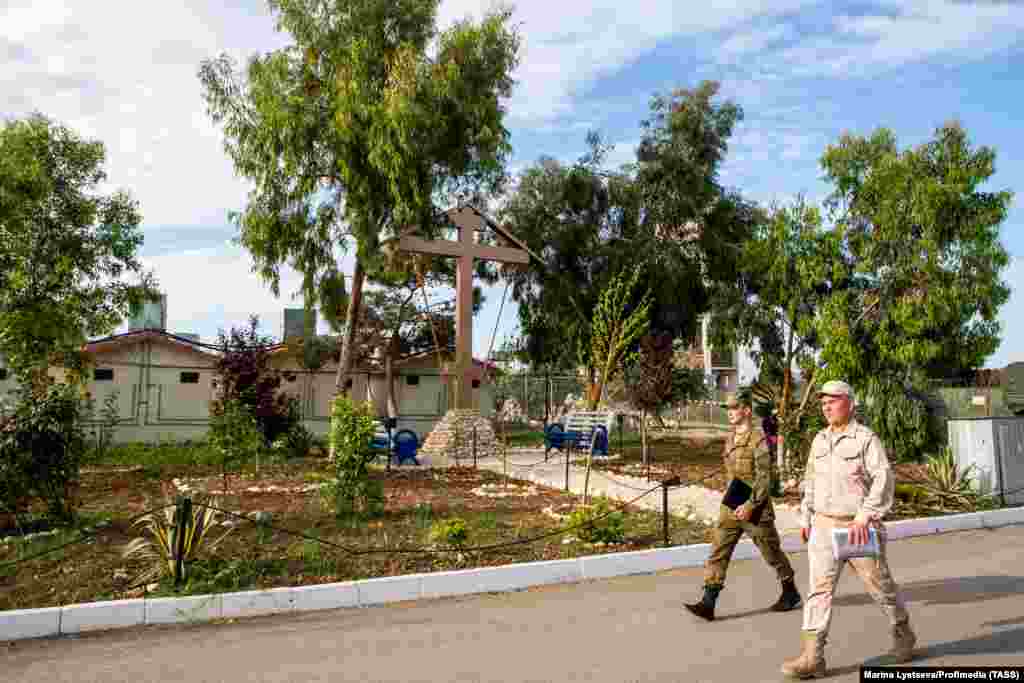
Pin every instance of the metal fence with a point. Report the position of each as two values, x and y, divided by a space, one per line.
538 397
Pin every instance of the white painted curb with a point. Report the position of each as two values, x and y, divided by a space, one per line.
72 619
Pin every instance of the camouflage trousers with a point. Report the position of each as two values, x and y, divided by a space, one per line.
825 573
728 533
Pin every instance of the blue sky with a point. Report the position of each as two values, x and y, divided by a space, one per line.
804 72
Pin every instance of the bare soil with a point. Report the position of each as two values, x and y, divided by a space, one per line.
395 541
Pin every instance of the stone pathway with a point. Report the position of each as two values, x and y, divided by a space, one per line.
693 502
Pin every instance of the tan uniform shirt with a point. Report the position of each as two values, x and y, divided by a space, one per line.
747 459
847 474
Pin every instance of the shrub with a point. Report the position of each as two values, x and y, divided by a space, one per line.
296 443
450 532
599 522
234 436
244 375
42 445
352 429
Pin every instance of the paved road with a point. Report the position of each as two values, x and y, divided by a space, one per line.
966 594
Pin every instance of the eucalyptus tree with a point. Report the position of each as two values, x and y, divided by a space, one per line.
667 212
900 285
362 126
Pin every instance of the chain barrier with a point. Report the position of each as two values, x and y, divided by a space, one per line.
87 534
433 551
90 532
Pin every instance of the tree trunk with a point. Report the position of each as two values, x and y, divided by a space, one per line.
389 382
547 399
348 339
594 391
787 387
586 477
643 435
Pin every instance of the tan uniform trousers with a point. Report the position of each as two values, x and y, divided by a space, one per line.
825 573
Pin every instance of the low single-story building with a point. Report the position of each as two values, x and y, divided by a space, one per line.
165 382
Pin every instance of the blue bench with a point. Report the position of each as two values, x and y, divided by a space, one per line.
403 445
580 431
406 446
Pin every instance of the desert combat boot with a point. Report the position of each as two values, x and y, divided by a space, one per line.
810 663
903 642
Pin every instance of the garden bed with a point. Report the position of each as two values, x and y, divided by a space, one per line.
288 497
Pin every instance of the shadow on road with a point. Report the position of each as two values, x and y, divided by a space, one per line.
1000 642
948 591
743 615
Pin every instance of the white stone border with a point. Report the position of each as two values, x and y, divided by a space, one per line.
95 616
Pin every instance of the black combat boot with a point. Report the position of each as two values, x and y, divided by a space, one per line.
790 598
705 609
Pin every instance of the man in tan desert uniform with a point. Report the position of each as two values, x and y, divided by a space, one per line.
847 483
748 460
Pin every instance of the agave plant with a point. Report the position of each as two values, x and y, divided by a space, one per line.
158 547
945 476
948 484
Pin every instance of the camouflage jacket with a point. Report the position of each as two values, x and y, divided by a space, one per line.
747 459
846 474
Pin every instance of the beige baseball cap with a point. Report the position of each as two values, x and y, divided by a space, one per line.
836 388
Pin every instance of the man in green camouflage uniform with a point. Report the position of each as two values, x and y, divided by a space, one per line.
746 458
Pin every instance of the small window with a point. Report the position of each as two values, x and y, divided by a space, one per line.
190 378
3 374
412 380
348 383
103 374
476 384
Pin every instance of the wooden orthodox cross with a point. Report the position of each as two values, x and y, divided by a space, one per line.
469 222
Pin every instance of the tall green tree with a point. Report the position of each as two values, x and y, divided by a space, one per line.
772 307
67 250
361 127
920 244
903 285
667 212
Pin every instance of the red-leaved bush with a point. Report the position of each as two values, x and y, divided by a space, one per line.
244 374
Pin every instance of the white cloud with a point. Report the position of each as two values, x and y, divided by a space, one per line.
29 18
558 64
136 90
910 31
752 41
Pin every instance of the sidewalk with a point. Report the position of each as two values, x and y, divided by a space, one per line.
704 503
